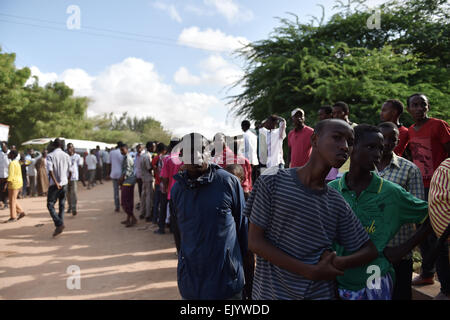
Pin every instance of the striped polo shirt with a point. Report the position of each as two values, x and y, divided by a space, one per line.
303 223
439 198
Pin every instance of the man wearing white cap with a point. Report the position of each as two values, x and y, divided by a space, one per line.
299 140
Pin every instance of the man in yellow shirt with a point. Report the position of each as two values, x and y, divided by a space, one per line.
15 184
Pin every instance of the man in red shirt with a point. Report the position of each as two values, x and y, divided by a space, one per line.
157 165
429 142
391 112
299 140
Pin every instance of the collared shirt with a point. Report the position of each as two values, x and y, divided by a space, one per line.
75 161
116 163
59 162
105 157
91 162
406 174
145 165
128 170
383 207
4 164
250 146
439 198
32 172
137 165
271 145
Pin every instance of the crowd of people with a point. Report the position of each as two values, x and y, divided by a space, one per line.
352 200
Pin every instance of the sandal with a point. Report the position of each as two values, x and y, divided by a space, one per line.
10 220
21 215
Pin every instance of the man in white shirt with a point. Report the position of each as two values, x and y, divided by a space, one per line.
106 164
75 162
250 148
91 162
271 142
116 159
58 164
4 164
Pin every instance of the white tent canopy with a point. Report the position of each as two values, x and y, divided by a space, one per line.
80 145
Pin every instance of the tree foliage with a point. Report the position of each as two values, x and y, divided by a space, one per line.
306 65
33 111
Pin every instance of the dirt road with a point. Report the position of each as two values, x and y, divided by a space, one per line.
115 262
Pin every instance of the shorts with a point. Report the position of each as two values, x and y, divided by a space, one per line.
383 293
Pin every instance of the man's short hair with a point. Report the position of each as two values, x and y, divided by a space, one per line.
388 125
417 95
245 124
57 143
160 147
119 144
148 145
327 109
321 125
13 154
397 104
362 130
343 106
124 145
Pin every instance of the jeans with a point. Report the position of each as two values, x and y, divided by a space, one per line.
163 212
156 202
72 195
53 195
116 193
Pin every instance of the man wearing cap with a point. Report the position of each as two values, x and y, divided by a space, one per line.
299 140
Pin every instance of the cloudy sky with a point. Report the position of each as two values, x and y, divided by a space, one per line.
169 59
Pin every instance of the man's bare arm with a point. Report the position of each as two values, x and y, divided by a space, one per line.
258 244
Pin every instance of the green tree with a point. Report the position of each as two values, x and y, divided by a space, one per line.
33 111
308 66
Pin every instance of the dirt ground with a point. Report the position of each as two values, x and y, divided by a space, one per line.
115 262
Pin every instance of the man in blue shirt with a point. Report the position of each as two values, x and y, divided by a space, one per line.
207 204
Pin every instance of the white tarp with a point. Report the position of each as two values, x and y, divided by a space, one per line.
4 132
80 145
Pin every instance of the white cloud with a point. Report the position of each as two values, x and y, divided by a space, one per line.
134 86
232 11
170 9
44 78
183 77
213 40
78 79
215 71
